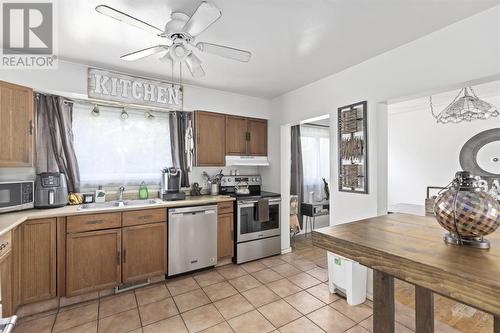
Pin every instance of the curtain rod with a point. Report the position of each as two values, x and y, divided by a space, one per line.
317 125
117 105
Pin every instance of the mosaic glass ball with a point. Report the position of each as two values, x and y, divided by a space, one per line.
477 212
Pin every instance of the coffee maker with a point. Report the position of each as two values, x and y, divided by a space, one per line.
171 184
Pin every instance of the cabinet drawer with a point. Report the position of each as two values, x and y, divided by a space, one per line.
93 222
138 217
5 244
225 207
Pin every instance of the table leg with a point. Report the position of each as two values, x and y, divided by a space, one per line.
496 324
383 303
424 310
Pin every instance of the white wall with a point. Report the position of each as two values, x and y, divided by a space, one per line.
432 63
70 80
424 153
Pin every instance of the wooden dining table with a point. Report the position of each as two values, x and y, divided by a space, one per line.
411 248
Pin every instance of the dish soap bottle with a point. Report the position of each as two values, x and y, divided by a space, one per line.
143 191
100 195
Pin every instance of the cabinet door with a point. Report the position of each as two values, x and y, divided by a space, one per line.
93 261
144 251
16 125
6 285
236 135
210 136
257 144
225 236
36 260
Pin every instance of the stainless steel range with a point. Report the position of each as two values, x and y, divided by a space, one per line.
255 238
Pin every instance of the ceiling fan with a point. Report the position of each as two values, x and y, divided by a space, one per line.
178 37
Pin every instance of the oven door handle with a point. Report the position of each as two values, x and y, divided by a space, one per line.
244 204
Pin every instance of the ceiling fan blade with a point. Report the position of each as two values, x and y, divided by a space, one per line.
125 18
225 51
144 53
204 16
194 65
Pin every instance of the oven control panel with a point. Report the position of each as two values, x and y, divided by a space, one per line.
235 180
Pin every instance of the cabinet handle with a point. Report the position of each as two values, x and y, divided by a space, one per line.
118 258
124 255
94 221
30 127
144 217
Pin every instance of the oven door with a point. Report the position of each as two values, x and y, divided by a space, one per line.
250 229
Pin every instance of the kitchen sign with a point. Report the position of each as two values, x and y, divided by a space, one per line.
117 87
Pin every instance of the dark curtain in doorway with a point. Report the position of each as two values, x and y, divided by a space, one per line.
297 176
55 151
180 123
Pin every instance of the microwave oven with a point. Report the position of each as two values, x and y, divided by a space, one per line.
16 196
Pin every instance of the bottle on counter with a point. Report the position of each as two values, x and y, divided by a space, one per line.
100 194
143 191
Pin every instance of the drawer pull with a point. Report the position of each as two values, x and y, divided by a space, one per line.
4 245
145 217
94 221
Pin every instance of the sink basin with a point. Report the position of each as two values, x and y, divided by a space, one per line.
110 204
140 202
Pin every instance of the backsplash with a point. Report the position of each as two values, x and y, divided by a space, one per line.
196 175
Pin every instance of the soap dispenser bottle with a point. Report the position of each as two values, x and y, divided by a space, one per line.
100 194
143 191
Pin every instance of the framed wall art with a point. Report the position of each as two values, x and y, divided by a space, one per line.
353 148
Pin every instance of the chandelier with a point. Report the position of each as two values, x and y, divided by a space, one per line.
466 106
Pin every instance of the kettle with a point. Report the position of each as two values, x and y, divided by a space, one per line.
242 188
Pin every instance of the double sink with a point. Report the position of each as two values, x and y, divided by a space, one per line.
117 203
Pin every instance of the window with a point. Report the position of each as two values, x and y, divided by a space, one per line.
315 144
114 151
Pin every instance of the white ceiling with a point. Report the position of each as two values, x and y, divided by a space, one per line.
294 42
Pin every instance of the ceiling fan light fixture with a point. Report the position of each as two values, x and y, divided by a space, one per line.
194 65
178 52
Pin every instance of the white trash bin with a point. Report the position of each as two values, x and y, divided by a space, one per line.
347 277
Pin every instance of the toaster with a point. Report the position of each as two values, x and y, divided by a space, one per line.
50 190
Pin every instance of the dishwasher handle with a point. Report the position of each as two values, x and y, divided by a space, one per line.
205 210
200 212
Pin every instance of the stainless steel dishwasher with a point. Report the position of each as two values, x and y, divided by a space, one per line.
192 238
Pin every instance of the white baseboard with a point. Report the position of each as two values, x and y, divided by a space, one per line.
286 250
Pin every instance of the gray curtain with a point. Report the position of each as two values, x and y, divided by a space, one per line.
179 122
54 138
297 176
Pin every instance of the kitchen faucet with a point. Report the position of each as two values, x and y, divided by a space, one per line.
120 193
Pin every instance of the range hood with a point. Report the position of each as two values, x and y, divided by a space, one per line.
247 161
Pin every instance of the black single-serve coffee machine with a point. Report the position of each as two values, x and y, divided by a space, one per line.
171 184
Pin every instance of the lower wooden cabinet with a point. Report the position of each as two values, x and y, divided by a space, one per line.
93 261
35 261
225 236
6 285
144 251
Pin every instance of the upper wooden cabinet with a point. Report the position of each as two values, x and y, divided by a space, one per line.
236 135
246 136
16 125
210 139
35 260
257 138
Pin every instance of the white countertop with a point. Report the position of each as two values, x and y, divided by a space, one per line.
8 221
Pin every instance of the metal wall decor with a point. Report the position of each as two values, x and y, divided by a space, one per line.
480 155
353 148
